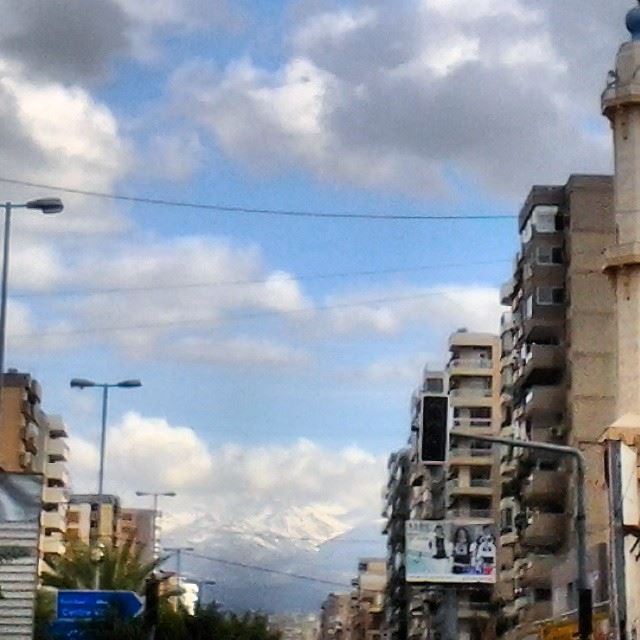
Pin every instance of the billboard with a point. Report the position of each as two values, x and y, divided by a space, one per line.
443 552
20 506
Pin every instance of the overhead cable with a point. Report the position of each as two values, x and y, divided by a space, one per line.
220 208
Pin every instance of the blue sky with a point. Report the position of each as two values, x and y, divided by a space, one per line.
420 107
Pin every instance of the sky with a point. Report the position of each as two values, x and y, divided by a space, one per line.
277 354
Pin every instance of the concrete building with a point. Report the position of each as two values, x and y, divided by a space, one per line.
53 462
397 512
367 599
92 518
137 525
335 617
33 442
473 487
558 363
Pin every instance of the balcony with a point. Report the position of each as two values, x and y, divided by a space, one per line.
543 364
55 495
481 426
545 531
471 397
30 433
507 291
57 472
475 487
465 514
53 521
58 450
508 537
57 428
469 455
469 367
546 488
52 544
536 573
544 400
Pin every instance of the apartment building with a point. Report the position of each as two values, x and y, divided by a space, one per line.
396 513
473 487
367 599
33 442
335 617
557 383
138 526
92 518
52 458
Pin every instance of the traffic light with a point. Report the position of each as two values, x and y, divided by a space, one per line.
433 431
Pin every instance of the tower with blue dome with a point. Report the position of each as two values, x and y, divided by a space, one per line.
633 23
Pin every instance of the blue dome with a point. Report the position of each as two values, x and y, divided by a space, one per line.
633 23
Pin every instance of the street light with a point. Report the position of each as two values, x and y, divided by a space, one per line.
46 206
83 383
156 495
179 551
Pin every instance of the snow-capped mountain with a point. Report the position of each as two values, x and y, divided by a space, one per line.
312 541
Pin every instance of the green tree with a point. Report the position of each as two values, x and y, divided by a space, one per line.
121 568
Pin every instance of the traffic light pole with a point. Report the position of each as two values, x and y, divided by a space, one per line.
585 601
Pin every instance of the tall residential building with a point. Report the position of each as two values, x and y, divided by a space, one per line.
558 386
367 599
137 525
92 518
335 617
33 442
473 487
55 454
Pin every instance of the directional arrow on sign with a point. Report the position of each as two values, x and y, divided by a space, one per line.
88 605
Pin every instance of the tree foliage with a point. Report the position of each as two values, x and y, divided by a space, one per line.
121 568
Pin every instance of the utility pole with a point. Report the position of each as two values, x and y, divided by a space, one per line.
585 599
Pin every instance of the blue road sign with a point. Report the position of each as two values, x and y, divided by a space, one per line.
89 605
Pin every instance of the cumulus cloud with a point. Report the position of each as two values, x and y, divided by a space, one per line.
60 40
441 308
283 489
398 97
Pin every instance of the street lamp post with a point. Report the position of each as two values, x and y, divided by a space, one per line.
585 603
156 495
81 383
179 551
46 206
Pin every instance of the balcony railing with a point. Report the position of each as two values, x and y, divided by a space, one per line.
472 392
460 512
470 363
472 423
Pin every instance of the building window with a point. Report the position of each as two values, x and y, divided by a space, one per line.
549 255
542 595
528 308
550 295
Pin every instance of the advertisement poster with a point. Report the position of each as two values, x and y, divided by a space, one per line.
443 552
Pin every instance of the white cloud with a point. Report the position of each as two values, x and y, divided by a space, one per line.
441 308
239 352
272 488
396 97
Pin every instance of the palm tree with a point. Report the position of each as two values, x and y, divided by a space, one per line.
120 569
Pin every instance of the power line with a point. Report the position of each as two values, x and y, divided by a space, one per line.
283 278
253 567
236 318
293 213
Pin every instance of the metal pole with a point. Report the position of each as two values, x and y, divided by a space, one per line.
3 296
585 604
103 441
